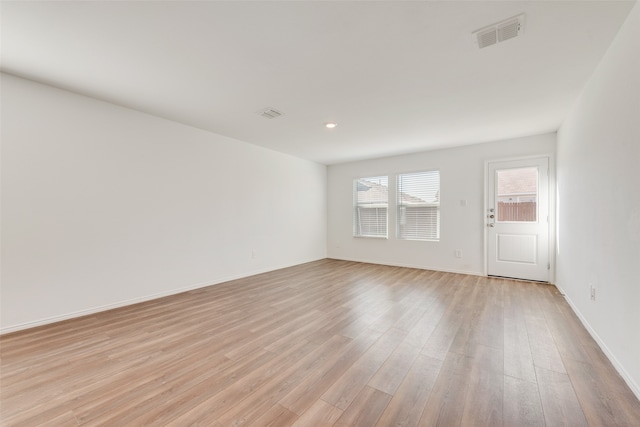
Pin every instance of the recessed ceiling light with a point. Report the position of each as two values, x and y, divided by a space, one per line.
330 125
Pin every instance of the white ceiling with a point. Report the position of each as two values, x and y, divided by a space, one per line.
396 76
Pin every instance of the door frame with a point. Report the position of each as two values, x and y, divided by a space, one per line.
552 209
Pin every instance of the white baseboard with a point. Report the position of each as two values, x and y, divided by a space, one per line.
612 358
98 309
419 267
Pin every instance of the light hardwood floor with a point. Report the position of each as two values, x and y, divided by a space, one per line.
328 343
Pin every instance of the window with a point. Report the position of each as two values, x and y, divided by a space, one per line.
419 206
370 205
517 194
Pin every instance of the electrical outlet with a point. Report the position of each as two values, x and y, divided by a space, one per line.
253 254
458 253
592 289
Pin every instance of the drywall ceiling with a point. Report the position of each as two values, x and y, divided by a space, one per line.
396 76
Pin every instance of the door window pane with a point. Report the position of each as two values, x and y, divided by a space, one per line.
517 195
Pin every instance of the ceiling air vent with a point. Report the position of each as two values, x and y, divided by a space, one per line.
269 113
499 32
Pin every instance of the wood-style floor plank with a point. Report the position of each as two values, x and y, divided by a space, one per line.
409 400
365 409
347 387
522 406
327 343
447 398
559 402
597 400
544 351
485 394
303 395
320 414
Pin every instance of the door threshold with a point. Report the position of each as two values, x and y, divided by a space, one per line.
543 282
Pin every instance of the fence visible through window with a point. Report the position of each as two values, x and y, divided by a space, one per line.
517 194
517 211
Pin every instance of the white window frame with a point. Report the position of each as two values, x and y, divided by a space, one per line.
378 204
432 202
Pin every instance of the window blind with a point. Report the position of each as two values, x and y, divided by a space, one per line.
370 206
419 206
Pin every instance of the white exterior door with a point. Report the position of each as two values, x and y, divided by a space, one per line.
517 219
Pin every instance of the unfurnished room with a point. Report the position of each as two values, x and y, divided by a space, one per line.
320 213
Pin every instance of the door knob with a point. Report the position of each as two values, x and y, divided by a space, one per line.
491 224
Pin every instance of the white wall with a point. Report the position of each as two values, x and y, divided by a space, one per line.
102 205
462 227
599 209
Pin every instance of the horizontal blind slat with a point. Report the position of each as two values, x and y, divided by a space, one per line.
418 201
370 204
